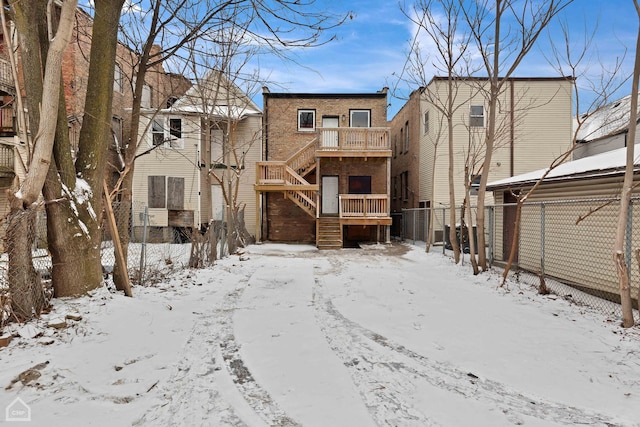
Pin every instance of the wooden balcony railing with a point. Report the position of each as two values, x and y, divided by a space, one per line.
304 159
279 173
6 76
6 159
271 172
354 139
364 205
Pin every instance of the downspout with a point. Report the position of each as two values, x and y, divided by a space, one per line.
199 166
511 130
264 223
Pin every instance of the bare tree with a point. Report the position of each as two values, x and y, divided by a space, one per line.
176 24
440 19
231 123
26 289
504 32
627 187
571 59
72 190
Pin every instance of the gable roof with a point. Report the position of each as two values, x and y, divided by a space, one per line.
610 163
612 119
216 96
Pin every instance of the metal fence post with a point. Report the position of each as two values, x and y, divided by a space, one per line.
427 218
143 251
444 230
628 238
414 227
542 235
492 233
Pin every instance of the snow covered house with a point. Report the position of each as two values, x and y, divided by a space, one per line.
605 129
213 130
325 178
568 225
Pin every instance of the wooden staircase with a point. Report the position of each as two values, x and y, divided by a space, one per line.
328 233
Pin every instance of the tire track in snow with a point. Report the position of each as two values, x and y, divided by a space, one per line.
192 392
373 359
192 400
254 394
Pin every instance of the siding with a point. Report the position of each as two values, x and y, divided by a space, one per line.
541 124
168 162
579 252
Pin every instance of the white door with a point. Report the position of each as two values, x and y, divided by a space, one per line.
329 195
330 137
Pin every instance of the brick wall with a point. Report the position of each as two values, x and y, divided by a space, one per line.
282 138
283 220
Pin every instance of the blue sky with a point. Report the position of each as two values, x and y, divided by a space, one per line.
371 49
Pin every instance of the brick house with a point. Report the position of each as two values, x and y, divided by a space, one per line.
534 126
325 178
159 87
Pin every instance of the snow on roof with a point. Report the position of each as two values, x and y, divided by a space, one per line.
611 162
228 112
608 120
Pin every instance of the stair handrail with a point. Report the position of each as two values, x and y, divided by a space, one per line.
303 156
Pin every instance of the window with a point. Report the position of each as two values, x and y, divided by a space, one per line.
476 116
175 130
175 193
475 185
395 187
165 192
306 120
171 100
359 185
167 132
156 192
406 137
405 185
426 122
360 118
145 102
157 132
118 80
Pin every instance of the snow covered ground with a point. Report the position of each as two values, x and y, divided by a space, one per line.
285 335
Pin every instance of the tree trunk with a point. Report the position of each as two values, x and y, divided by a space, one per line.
618 253
452 195
27 295
514 242
94 140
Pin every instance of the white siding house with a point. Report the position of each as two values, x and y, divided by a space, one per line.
211 128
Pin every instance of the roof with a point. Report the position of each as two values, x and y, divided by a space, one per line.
380 94
612 119
216 98
610 163
515 79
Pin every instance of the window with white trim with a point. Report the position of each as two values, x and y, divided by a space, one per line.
476 116
118 79
167 132
360 118
306 120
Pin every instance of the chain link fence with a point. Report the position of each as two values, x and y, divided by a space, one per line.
566 246
152 252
